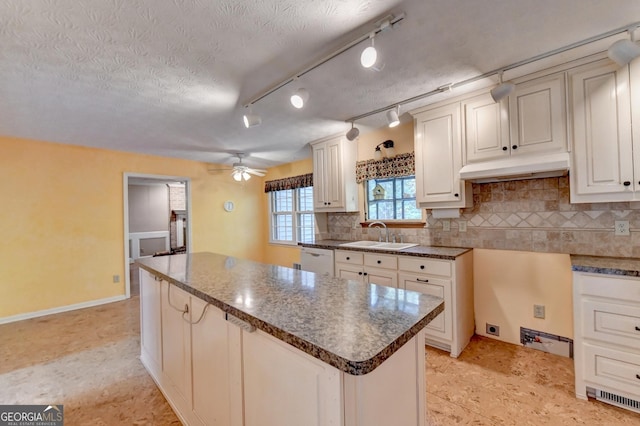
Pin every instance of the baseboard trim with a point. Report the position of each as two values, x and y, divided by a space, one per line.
60 309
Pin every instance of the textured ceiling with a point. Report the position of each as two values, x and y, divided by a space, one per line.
170 77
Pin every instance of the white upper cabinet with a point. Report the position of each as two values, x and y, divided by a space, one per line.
603 149
486 128
438 149
334 175
538 117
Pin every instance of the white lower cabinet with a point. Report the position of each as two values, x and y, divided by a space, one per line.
370 268
607 338
218 371
451 280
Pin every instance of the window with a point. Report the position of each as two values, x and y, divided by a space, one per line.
392 198
292 218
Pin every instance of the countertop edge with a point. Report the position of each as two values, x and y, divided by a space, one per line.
629 267
355 368
411 251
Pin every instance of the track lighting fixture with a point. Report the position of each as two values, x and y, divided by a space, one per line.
624 51
251 119
353 133
369 55
299 98
393 116
502 90
389 150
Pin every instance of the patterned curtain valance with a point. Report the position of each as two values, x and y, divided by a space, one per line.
292 182
398 166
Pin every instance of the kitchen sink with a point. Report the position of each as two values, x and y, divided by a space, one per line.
375 245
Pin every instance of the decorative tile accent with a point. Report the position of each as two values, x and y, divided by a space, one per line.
527 215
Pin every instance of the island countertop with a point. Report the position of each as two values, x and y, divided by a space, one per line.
347 324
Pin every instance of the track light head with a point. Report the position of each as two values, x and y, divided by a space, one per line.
369 55
623 51
502 90
353 133
251 120
393 118
299 98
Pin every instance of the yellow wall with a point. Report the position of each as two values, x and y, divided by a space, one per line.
279 254
402 137
63 223
508 283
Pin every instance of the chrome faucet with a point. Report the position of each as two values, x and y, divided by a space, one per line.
386 231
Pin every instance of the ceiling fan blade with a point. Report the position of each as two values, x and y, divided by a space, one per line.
256 172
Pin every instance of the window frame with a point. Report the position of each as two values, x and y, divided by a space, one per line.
408 222
296 213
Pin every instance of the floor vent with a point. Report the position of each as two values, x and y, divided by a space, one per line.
618 400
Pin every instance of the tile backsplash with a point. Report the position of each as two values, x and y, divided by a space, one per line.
528 215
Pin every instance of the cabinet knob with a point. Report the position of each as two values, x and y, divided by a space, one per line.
359 273
456 195
504 148
329 203
626 183
379 262
365 274
637 328
348 258
514 146
421 266
638 376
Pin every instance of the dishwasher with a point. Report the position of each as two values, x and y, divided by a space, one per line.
317 260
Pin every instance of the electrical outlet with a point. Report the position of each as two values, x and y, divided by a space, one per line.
116 278
494 330
621 227
538 311
462 226
446 225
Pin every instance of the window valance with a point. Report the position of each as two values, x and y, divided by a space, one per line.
292 182
398 166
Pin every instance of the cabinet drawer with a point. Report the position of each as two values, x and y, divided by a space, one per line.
614 369
608 286
423 265
441 326
611 322
381 261
346 256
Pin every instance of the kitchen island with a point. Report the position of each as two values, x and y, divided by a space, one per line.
230 341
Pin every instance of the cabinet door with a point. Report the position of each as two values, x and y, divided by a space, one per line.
439 158
441 327
176 343
328 186
486 129
538 116
602 150
349 272
381 277
210 364
285 387
150 322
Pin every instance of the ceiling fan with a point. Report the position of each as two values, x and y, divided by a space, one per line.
240 171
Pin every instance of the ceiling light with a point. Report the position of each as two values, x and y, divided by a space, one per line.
299 98
237 175
502 90
246 176
369 55
250 119
353 133
623 51
392 116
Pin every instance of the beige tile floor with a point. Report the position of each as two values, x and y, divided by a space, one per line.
88 361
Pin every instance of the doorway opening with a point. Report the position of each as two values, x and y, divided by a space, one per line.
157 220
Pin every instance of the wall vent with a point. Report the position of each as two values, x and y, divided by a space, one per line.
546 342
618 400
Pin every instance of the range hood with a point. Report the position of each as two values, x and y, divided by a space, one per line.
517 168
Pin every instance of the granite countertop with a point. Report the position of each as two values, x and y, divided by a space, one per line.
447 253
347 324
606 265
